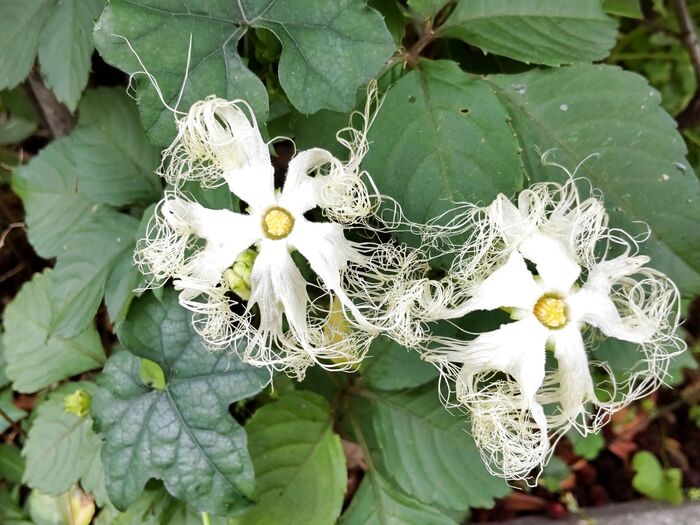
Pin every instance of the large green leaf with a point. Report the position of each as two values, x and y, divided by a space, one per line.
82 271
62 448
65 47
183 433
35 357
114 160
298 460
390 366
20 25
53 207
106 159
551 32
66 190
640 166
60 31
322 63
427 452
377 502
442 136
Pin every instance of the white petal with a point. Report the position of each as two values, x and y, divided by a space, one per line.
243 154
554 261
575 383
278 287
301 192
512 222
511 285
226 233
517 349
324 245
593 307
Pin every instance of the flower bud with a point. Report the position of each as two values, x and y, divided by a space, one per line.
78 403
238 276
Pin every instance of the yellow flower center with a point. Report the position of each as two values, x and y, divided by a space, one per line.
278 223
550 310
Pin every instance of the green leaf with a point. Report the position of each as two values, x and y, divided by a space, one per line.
551 32
11 464
427 451
556 471
322 63
441 136
201 450
155 507
114 159
589 446
61 448
35 357
427 8
4 380
65 47
151 374
106 159
390 366
7 406
655 482
640 166
21 22
82 271
298 460
10 511
626 8
48 187
377 502
17 118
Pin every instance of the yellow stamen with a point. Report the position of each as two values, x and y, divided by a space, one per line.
278 223
550 310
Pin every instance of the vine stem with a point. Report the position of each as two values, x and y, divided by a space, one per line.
691 114
206 519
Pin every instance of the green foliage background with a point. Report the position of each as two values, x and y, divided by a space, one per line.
476 91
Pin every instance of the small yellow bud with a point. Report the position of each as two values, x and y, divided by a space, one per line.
78 403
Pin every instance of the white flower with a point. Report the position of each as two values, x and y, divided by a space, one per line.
587 279
207 252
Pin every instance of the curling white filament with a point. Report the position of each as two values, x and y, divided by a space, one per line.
587 280
219 143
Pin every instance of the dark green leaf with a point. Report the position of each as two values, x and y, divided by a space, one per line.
551 32
390 366
428 452
626 8
7 406
299 461
182 434
322 63
442 136
35 357
640 165
11 464
377 502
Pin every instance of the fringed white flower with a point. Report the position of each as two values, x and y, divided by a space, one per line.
208 252
564 275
